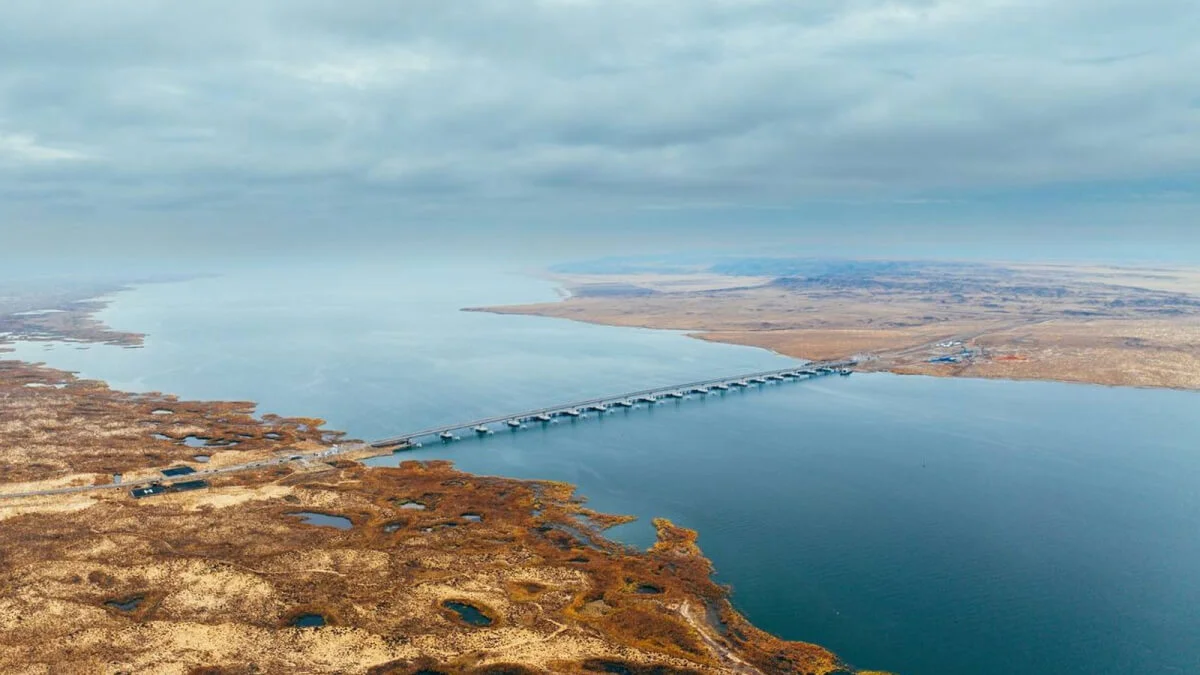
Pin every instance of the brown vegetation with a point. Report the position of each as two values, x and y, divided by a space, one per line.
55 427
1102 325
59 311
211 581
219 581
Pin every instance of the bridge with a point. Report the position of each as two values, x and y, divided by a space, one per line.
514 421
576 409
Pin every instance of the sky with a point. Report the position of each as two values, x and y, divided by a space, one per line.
575 128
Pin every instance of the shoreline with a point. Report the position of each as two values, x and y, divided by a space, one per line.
1102 350
714 336
940 374
271 484
328 487
139 443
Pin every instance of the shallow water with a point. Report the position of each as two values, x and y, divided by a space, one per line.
308 621
126 605
919 525
468 613
324 520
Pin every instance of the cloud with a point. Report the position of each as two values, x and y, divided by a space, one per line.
23 149
381 68
750 102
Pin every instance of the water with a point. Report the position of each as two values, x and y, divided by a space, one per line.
308 621
468 613
378 351
324 520
922 525
918 525
126 605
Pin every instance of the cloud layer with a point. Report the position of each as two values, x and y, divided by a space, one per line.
428 104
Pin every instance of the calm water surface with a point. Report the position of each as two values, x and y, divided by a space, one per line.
323 520
911 524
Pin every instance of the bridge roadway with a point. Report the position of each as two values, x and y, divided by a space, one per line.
561 410
295 457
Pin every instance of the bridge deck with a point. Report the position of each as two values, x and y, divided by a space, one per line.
397 440
559 410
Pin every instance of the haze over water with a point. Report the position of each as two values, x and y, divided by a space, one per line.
910 524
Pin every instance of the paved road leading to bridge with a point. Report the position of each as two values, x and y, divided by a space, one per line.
200 474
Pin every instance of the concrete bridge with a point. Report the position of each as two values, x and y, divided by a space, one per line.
514 421
576 409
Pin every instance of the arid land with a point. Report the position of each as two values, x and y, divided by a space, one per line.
1093 324
434 570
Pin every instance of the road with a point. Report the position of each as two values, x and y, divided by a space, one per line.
397 440
198 475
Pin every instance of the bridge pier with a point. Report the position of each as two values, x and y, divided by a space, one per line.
626 401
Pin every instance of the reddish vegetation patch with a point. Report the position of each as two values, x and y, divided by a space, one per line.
247 570
55 425
211 581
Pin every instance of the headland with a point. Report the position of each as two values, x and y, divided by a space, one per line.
1074 323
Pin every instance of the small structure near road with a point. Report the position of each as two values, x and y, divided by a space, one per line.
178 471
149 490
159 488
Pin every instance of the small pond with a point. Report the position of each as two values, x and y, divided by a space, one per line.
308 621
126 605
469 613
324 520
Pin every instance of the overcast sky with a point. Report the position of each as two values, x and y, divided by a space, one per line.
151 125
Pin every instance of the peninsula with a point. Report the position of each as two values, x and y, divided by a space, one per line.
1074 323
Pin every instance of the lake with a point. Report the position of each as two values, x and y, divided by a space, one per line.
912 524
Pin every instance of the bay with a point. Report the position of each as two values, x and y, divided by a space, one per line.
911 524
